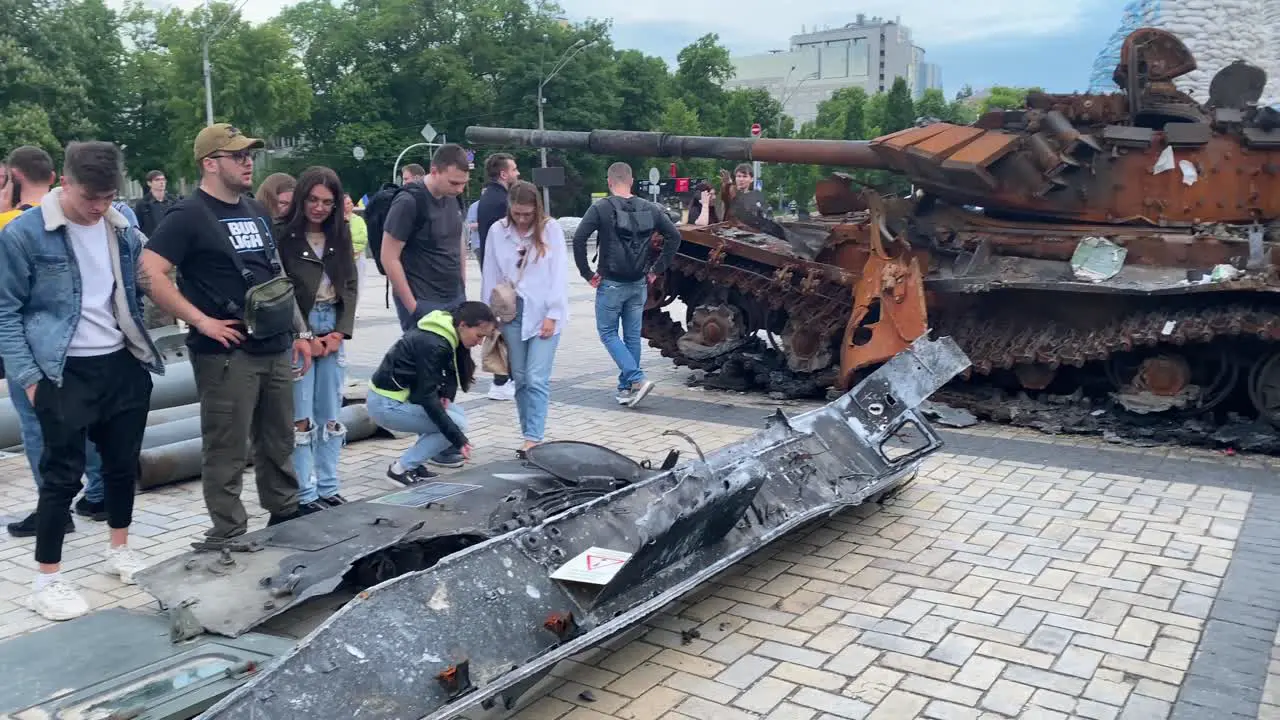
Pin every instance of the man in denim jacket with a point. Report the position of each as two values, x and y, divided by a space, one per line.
72 335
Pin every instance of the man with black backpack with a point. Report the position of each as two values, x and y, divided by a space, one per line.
415 233
420 245
625 226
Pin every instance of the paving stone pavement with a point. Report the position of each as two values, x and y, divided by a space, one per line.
1019 576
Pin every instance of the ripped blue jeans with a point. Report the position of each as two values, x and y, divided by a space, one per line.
317 399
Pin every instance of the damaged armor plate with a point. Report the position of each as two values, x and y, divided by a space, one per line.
228 588
480 626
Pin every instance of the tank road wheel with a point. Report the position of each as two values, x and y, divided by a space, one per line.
1264 388
1209 373
806 350
713 331
1034 376
1164 375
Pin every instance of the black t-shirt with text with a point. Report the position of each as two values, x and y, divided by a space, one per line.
432 255
207 276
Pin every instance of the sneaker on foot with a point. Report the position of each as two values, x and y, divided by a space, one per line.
26 527
450 458
95 511
276 518
645 388
58 600
411 477
314 506
124 562
624 397
506 391
334 500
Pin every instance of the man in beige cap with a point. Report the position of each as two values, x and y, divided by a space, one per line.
220 240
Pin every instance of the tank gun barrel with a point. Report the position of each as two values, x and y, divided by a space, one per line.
846 153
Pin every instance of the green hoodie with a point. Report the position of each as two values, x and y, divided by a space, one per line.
437 322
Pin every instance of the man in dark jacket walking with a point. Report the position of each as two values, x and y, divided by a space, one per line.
501 171
625 225
155 203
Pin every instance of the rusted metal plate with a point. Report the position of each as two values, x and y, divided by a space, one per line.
927 155
1126 136
1178 133
1161 55
892 148
969 164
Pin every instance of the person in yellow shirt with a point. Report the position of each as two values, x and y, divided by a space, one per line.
29 178
359 234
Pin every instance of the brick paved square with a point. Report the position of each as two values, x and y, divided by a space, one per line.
1020 575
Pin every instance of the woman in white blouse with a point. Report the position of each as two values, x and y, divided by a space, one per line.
527 249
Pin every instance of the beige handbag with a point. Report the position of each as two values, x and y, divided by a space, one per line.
502 301
494 355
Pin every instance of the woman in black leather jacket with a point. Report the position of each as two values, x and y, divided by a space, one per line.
414 387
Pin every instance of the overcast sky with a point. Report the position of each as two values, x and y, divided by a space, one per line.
1051 43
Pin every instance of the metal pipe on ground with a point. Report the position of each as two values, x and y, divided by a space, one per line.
174 389
171 432
180 460
168 415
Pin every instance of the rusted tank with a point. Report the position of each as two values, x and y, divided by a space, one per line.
1123 244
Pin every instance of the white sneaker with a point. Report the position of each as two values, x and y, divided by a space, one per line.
124 562
503 392
641 393
58 600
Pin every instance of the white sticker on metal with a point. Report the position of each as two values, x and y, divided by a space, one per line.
595 566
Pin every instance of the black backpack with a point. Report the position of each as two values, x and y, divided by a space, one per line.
375 215
634 229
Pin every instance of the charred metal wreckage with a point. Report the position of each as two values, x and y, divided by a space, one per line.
1120 246
474 588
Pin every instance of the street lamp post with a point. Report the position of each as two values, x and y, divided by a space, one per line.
204 53
565 58
785 99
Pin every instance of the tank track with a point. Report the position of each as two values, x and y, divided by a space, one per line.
822 309
1002 343
993 341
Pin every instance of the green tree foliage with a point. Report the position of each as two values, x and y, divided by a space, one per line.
325 76
1001 97
59 60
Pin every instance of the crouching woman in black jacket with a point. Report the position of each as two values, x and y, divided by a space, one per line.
414 387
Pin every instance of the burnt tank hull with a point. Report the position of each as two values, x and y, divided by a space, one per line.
1119 247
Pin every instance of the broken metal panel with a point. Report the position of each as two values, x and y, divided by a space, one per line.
265 572
1181 133
121 661
470 631
1127 136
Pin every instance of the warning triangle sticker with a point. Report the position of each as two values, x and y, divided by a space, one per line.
595 562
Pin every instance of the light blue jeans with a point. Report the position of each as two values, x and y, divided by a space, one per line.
33 445
408 417
531 362
317 398
619 301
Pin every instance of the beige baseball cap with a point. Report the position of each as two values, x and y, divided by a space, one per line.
223 136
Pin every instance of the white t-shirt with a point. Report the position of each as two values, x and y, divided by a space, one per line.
98 333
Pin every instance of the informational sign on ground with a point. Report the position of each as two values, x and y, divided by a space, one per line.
425 494
595 566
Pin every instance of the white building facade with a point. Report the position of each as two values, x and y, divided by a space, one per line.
868 53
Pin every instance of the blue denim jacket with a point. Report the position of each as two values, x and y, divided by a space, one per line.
40 293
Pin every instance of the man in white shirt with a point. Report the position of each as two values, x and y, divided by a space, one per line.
72 336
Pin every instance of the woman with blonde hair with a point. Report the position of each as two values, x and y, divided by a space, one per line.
276 194
525 259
